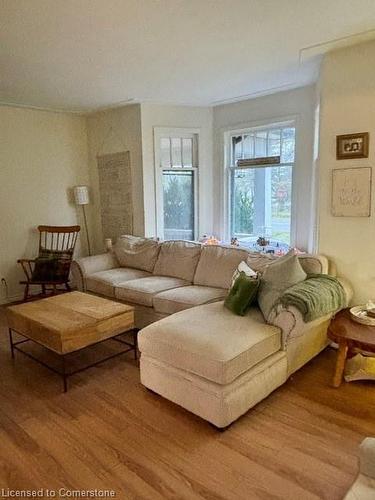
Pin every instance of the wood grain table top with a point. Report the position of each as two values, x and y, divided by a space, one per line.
70 321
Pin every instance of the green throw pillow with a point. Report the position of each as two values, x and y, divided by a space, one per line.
242 294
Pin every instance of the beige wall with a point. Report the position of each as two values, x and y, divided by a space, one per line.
298 104
112 131
42 155
154 115
347 105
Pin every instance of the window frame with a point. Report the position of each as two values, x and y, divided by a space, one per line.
229 168
181 133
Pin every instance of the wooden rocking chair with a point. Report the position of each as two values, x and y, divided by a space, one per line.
52 266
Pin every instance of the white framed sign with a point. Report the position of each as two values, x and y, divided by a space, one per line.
351 192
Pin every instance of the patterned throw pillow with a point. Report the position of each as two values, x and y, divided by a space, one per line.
243 268
242 294
52 265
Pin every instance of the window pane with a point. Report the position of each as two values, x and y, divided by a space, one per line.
236 149
274 143
243 202
260 144
261 204
187 152
165 152
178 197
248 146
176 152
288 141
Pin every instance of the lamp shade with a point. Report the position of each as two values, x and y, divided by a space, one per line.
81 195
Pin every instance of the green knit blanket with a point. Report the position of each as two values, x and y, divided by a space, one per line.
318 295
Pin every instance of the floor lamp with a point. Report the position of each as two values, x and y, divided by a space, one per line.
81 197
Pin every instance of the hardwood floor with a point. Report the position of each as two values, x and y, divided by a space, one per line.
108 432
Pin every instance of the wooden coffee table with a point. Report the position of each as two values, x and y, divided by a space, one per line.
351 337
68 323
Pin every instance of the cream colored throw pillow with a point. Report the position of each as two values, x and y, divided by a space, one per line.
243 268
135 252
277 277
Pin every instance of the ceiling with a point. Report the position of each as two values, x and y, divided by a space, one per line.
81 55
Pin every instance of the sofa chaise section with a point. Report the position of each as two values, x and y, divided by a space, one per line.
211 362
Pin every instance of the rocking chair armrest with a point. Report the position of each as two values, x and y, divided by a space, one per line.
27 267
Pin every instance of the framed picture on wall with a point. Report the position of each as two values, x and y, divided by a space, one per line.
351 192
351 146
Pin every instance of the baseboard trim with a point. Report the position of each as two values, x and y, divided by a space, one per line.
9 300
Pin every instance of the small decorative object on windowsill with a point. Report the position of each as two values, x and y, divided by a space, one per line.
262 241
81 197
108 244
209 240
234 242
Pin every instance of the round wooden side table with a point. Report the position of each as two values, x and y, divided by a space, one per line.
351 337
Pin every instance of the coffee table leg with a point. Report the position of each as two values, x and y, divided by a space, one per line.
11 342
340 364
64 376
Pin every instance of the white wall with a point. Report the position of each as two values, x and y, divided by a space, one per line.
154 115
298 103
112 131
347 105
42 156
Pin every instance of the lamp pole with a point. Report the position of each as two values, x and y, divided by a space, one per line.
81 196
86 229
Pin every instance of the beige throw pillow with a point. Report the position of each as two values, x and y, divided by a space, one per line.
135 252
277 277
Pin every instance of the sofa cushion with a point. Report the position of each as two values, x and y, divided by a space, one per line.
141 291
311 264
217 265
185 297
211 342
139 253
277 277
104 282
178 259
259 261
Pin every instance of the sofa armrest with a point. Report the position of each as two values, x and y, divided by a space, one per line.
290 321
81 268
367 457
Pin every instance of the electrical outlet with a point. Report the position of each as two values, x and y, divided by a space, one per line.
4 285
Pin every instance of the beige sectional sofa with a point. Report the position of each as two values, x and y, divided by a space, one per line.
194 351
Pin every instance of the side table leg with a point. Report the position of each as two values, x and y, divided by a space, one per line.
11 342
340 364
